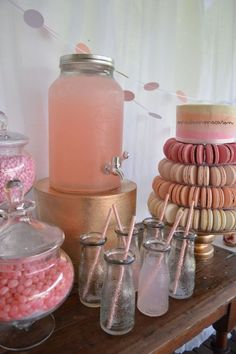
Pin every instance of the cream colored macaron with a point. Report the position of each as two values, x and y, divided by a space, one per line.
216 220
230 220
209 220
196 219
170 212
203 220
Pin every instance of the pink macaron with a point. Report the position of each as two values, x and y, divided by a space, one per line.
170 142
186 152
200 154
209 158
224 154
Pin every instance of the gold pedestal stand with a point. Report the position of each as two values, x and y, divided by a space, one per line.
203 249
79 213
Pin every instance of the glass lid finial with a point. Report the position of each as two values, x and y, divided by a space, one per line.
3 123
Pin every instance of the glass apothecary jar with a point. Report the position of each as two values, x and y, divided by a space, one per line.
36 276
15 162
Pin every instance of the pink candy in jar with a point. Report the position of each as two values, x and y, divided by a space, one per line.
15 163
32 288
36 276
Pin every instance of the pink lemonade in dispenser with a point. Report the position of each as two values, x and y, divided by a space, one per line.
85 125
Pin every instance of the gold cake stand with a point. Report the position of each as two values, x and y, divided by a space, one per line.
204 249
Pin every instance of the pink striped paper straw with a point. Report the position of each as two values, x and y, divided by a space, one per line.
182 251
118 222
168 241
164 207
162 213
87 285
174 227
117 217
171 234
119 284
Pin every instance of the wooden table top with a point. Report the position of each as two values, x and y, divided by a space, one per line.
78 330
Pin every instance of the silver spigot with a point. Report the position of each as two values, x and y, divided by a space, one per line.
114 167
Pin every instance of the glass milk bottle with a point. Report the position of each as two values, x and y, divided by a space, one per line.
85 126
153 229
91 268
140 227
122 236
182 265
117 311
153 287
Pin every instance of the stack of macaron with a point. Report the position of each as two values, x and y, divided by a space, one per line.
205 197
201 175
204 220
199 153
203 170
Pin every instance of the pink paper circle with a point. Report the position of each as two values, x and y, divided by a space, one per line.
181 96
82 48
129 95
33 18
150 86
154 115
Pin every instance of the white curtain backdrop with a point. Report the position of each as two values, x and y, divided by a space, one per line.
187 45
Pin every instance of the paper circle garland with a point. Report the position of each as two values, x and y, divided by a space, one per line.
82 48
181 96
150 86
128 96
33 18
154 115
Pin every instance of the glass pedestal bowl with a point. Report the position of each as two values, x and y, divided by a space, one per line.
36 276
30 290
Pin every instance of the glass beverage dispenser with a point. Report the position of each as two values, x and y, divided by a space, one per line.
85 126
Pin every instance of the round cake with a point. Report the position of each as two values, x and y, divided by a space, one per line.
206 124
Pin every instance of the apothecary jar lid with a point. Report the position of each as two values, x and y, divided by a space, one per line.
8 138
21 235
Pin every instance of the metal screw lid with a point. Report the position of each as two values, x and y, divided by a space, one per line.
81 58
